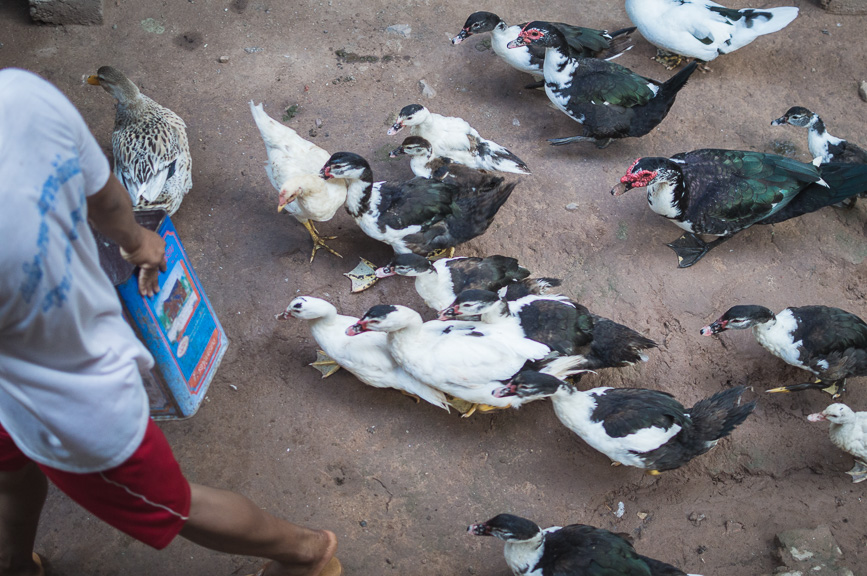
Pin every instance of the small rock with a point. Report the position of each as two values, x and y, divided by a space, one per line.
399 30
862 90
223 59
621 509
516 122
113 27
253 49
642 515
572 206
810 551
318 122
363 523
426 90
696 519
732 526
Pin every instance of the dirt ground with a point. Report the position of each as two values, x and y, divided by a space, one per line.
397 481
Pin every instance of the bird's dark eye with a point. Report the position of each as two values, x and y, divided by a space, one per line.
298 306
533 34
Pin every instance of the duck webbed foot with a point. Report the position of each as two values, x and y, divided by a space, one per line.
858 472
835 388
441 253
362 276
669 59
690 248
535 85
325 364
318 241
411 395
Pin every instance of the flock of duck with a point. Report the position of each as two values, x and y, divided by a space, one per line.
502 337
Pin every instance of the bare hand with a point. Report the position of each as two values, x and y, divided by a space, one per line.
150 256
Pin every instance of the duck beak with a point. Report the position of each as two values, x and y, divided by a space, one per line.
284 315
356 329
93 80
817 417
516 43
621 188
715 328
384 272
396 152
463 35
779 121
449 313
505 391
395 128
479 530
325 173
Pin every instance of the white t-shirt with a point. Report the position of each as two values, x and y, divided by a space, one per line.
71 395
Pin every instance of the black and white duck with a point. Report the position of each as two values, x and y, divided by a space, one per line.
702 29
558 322
454 138
149 143
848 432
608 100
367 357
829 342
633 426
573 550
466 360
440 281
293 169
425 164
819 141
584 42
721 192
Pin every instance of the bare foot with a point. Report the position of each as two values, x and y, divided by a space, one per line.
320 550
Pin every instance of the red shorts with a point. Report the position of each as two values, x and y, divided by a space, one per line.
146 497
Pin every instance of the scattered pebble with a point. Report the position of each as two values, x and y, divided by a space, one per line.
696 518
363 523
516 122
621 509
572 206
862 89
151 25
642 515
223 59
399 29
113 27
233 387
253 49
318 122
426 90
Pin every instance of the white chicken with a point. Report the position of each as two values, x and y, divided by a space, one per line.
293 168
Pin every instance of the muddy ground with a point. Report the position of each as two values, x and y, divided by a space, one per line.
397 481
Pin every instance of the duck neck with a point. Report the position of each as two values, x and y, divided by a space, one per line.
558 66
497 313
523 555
358 193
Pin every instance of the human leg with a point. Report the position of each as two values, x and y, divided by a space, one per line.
228 522
22 494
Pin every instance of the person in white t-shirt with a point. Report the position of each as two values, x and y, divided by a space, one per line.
72 405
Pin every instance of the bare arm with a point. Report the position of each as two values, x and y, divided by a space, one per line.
110 210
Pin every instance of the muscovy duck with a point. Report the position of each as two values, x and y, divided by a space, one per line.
608 100
454 138
440 281
420 215
829 342
721 192
584 42
819 141
561 324
634 426
367 357
423 163
293 169
466 360
848 432
149 143
573 550
702 29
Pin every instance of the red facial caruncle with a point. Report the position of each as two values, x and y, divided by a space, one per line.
638 179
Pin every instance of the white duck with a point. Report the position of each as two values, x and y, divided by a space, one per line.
849 433
293 168
702 29
366 357
454 138
149 143
463 359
